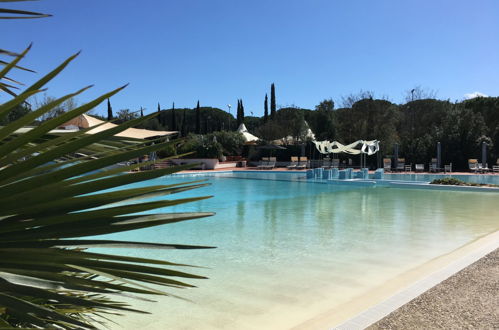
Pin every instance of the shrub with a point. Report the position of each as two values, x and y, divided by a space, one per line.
232 142
202 146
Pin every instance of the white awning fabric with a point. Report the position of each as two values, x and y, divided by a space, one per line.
366 147
85 121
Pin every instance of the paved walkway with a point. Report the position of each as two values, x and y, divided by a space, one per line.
467 300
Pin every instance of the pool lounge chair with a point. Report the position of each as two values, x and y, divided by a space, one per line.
293 164
419 167
433 166
482 168
401 164
264 162
335 163
271 164
473 165
302 164
448 168
326 164
387 164
495 168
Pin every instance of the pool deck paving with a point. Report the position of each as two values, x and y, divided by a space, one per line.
467 300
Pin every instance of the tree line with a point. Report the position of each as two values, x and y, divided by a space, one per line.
416 126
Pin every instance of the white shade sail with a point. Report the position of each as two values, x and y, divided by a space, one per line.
366 147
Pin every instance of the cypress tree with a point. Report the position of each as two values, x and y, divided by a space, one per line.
238 117
159 114
109 111
272 101
266 109
242 112
183 130
174 119
198 119
141 112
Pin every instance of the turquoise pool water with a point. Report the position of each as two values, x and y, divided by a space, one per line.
289 249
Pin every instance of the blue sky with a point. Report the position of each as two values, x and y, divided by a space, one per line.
219 50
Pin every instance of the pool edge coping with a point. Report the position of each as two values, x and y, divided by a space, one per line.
386 183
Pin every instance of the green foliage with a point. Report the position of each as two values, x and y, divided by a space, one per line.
202 146
198 119
240 112
124 115
232 142
322 121
456 182
273 107
47 277
449 181
16 113
292 121
271 130
266 109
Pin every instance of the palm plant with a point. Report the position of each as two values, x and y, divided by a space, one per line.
52 196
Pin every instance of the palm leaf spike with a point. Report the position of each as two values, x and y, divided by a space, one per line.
46 281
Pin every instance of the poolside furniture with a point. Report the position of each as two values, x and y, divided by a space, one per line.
264 162
271 163
400 164
335 163
294 162
302 164
408 168
482 168
315 163
433 166
495 168
473 165
326 163
387 164
448 168
419 167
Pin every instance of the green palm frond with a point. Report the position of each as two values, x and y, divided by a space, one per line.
47 277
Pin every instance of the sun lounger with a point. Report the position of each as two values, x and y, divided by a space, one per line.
401 164
433 166
419 167
448 168
387 164
473 165
335 163
495 168
263 163
271 163
482 168
326 164
302 164
293 164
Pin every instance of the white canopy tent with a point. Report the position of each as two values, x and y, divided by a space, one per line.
250 138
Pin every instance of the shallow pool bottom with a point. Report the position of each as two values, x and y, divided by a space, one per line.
290 249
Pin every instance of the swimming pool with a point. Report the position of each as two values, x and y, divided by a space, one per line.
290 249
